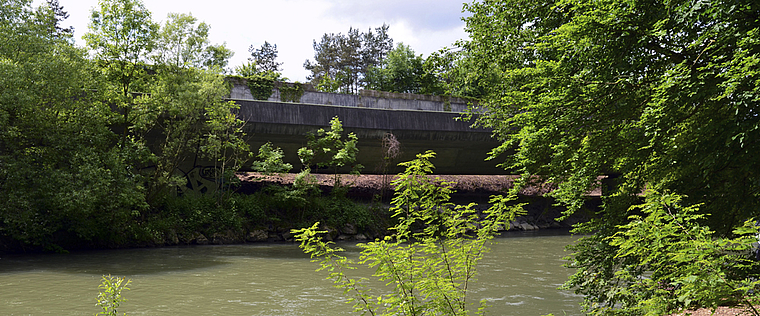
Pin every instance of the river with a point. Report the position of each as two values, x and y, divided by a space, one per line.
519 276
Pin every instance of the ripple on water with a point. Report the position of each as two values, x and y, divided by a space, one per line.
518 277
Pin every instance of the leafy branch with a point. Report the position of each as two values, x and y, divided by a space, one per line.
431 256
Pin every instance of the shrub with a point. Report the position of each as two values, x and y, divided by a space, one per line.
431 256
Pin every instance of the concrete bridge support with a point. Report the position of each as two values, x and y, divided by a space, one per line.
460 149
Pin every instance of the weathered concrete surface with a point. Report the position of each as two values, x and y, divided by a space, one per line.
460 149
365 99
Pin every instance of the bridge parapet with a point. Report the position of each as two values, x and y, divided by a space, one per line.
365 99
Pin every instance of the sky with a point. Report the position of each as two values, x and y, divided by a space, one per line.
293 25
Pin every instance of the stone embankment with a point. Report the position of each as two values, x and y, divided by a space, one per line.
540 212
540 215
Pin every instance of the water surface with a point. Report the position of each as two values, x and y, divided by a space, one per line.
519 276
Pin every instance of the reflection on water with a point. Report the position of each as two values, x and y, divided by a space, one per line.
519 277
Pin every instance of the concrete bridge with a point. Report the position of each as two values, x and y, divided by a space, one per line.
460 149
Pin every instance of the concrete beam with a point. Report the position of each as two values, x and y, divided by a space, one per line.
460 148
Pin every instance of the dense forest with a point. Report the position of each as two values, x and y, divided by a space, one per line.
654 102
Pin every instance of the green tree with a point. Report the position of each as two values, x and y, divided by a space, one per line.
122 35
183 42
458 73
328 149
345 59
402 71
265 58
429 260
180 101
57 15
260 83
654 95
61 180
187 107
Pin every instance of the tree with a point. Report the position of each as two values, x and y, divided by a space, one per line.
122 35
179 100
61 180
376 46
265 57
182 43
261 71
187 107
402 71
261 84
345 59
458 73
429 260
656 96
328 149
57 16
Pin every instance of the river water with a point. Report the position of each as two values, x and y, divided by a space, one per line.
519 276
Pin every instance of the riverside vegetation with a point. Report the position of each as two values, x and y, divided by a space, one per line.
429 256
660 98
429 259
89 147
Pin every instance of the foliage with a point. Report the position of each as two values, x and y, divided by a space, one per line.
674 262
182 43
291 93
246 69
327 149
57 15
265 58
345 59
327 84
457 73
270 160
187 106
122 34
261 71
69 180
110 298
655 95
431 258
402 71
61 180
261 84
202 213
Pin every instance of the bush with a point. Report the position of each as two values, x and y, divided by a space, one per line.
431 256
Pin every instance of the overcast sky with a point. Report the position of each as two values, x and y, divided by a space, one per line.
425 25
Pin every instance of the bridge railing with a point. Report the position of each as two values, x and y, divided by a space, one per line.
365 99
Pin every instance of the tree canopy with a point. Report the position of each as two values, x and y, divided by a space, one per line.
402 71
265 58
341 61
659 96
66 174
59 171
182 43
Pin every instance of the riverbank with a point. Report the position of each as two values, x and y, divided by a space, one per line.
541 213
720 311
264 209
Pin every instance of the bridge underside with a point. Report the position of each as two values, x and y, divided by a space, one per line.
460 149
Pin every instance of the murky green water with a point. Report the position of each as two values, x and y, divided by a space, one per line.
519 277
